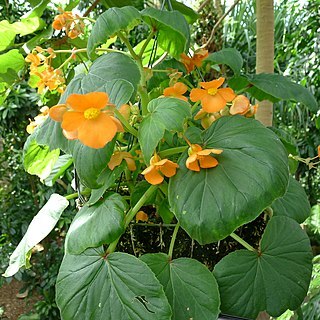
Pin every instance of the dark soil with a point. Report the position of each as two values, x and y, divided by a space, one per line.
13 306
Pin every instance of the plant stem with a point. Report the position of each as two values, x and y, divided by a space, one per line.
143 48
128 45
131 214
76 194
173 240
194 107
169 152
242 242
126 124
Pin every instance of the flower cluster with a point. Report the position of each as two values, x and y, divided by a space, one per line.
195 60
70 23
40 66
85 117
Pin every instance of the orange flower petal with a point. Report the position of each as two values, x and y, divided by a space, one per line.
125 110
141 216
153 176
71 120
319 151
206 152
81 102
98 132
240 105
212 84
115 160
70 135
180 88
197 94
227 94
57 25
131 164
169 169
56 112
208 162
167 92
117 123
192 163
213 103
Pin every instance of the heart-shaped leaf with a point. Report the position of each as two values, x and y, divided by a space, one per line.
274 279
40 226
117 286
109 23
99 224
173 29
165 114
190 287
229 56
294 204
252 172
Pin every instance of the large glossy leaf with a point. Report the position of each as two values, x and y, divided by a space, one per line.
99 224
165 114
173 29
38 159
229 56
109 23
190 287
40 226
117 286
275 279
294 204
252 173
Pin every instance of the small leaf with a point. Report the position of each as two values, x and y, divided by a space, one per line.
40 226
173 29
39 160
106 179
294 204
274 280
109 23
252 173
229 56
117 286
190 287
99 224
165 114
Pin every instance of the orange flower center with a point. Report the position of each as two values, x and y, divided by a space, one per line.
212 91
91 113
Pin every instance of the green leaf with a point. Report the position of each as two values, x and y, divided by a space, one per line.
58 170
40 226
37 11
109 23
7 35
139 4
281 87
190 15
173 29
91 162
294 204
148 52
94 285
252 173
39 160
275 279
229 56
106 179
37 40
190 287
11 63
99 224
163 209
165 114
139 190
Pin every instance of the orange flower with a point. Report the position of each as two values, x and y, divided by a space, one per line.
176 91
38 120
83 118
195 61
199 158
318 151
141 216
241 105
212 99
158 168
71 23
118 157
